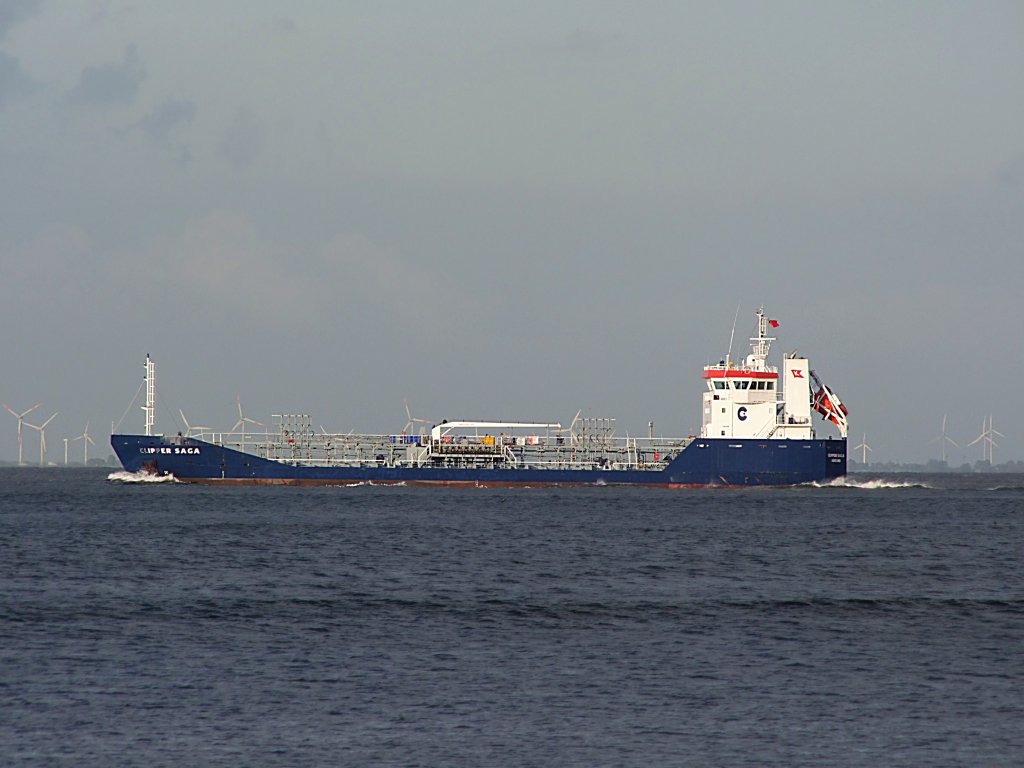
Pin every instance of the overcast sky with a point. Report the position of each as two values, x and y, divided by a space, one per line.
509 210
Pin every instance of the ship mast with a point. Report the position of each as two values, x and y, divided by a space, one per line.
150 407
760 344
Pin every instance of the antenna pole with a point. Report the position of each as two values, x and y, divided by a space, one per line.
732 335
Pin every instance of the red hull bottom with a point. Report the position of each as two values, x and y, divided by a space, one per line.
247 481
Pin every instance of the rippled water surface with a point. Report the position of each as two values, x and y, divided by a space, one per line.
876 623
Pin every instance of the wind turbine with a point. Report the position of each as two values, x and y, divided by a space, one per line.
987 439
943 439
85 444
863 448
189 429
42 438
410 425
21 420
243 420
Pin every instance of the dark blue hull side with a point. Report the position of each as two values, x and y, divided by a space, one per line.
719 461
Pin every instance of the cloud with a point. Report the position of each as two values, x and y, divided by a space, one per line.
13 12
159 124
166 122
111 85
243 138
106 12
13 81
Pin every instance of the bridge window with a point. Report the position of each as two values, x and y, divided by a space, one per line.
719 385
771 384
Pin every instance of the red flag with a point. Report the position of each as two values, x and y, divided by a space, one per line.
773 323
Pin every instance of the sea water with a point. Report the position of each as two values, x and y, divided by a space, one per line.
877 621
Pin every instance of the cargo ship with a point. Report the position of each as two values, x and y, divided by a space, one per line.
756 430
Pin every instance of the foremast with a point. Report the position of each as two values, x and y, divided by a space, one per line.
150 407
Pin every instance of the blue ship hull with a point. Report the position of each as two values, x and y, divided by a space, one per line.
704 462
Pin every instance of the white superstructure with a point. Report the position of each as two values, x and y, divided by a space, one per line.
752 400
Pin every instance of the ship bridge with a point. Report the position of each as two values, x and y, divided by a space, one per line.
752 399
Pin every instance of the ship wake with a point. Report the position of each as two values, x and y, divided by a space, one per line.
873 484
139 477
